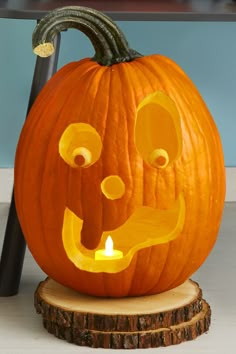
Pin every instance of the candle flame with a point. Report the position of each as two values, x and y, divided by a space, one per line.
109 246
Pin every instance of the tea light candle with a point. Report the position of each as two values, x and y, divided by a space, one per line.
108 253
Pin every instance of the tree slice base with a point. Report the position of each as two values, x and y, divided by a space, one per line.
172 317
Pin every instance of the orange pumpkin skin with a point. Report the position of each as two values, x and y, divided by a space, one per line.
107 98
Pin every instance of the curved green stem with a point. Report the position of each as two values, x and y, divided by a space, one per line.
107 39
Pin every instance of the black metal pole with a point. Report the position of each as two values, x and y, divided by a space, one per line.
13 250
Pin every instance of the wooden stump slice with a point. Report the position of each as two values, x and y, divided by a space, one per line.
164 319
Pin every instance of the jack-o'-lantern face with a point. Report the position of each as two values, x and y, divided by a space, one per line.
155 143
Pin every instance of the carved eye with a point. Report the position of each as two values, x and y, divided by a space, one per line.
158 136
159 158
80 145
82 156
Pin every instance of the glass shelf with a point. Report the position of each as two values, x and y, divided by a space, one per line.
129 10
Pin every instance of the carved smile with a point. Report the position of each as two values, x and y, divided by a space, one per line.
144 228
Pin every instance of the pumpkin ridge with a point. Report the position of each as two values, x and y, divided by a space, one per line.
154 73
153 290
29 125
102 87
138 73
110 159
135 285
44 94
211 144
86 81
189 128
25 147
171 66
148 257
184 273
128 96
148 73
195 225
56 122
139 66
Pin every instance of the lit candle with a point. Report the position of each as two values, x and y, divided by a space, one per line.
108 253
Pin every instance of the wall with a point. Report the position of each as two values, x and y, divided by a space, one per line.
206 51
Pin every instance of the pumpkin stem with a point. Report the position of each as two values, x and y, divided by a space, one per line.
107 39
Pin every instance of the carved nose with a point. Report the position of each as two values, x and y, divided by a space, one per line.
113 187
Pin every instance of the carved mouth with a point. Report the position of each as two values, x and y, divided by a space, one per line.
146 227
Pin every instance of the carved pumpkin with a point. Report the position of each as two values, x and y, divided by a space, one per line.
121 145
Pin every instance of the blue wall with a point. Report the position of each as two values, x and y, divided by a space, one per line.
206 51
